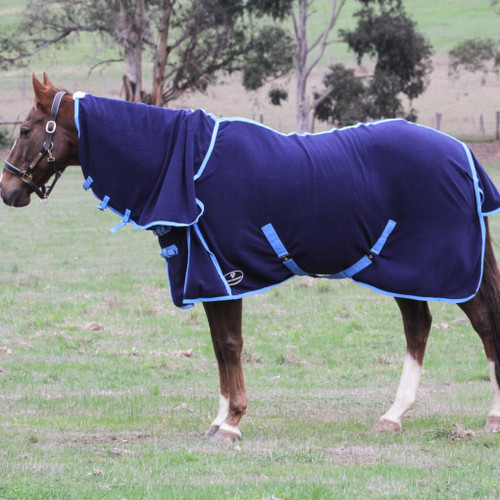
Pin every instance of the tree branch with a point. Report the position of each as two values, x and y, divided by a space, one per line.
322 40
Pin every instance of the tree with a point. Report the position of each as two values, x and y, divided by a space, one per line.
190 41
308 55
386 33
476 54
473 55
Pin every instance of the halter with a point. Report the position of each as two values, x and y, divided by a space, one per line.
27 175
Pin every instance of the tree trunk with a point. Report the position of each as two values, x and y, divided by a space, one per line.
161 55
303 108
304 50
130 29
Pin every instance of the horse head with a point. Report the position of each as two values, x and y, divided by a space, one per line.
46 145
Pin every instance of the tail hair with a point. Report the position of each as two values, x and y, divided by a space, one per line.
491 282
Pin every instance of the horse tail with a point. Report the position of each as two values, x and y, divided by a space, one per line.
491 288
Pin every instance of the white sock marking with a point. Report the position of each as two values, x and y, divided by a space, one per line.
406 394
223 411
495 409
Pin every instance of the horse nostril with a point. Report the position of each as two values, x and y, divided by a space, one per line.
15 198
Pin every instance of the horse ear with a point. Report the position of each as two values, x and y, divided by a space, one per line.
46 80
40 92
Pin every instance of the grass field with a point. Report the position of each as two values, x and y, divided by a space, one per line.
99 400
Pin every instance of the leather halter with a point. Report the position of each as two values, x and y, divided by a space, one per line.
27 175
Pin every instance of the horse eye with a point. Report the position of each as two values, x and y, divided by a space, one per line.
24 132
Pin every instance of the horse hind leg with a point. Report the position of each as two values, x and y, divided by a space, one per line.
417 323
484 313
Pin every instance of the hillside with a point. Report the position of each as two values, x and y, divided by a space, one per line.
445 23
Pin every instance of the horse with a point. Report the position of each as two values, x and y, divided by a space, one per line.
52 123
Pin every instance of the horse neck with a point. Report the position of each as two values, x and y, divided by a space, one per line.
66 123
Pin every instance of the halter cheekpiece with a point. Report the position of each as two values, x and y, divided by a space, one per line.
27 175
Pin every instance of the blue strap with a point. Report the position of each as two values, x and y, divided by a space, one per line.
389 227
87 183
123 222
170 251
361 264
104 203
281 252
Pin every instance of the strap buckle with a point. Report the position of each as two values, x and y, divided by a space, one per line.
51 126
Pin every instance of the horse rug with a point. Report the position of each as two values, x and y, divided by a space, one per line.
239 207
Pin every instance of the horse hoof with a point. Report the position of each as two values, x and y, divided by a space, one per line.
493 424
385 425
227 434
212 431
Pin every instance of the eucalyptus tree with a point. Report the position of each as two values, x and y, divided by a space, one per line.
189 42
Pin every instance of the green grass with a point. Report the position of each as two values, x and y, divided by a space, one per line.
96 402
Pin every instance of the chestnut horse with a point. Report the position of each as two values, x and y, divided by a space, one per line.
51 123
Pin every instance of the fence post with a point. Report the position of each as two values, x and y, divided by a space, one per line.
482 130
497 134
438 121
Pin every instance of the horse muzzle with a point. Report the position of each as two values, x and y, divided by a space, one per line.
15 197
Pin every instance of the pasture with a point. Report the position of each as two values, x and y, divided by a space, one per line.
106 388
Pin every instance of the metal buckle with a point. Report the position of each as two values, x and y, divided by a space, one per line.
26 177
51 126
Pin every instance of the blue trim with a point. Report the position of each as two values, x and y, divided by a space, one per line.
154 223
479 211
77 114
493 212
214 260
189 302
186 275
209 151
414 297
282 253
104 203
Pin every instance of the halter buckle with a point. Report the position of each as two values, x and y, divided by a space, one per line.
51 126
26 177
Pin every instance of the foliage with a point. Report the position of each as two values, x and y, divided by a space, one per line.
277 95
190 42
387 34
475 54
345 102
269 57
5 138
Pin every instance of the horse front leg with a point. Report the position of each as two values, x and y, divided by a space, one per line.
225 322
417 323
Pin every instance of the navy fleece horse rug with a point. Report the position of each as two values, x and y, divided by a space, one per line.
240 208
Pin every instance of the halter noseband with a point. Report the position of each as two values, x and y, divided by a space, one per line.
27 175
